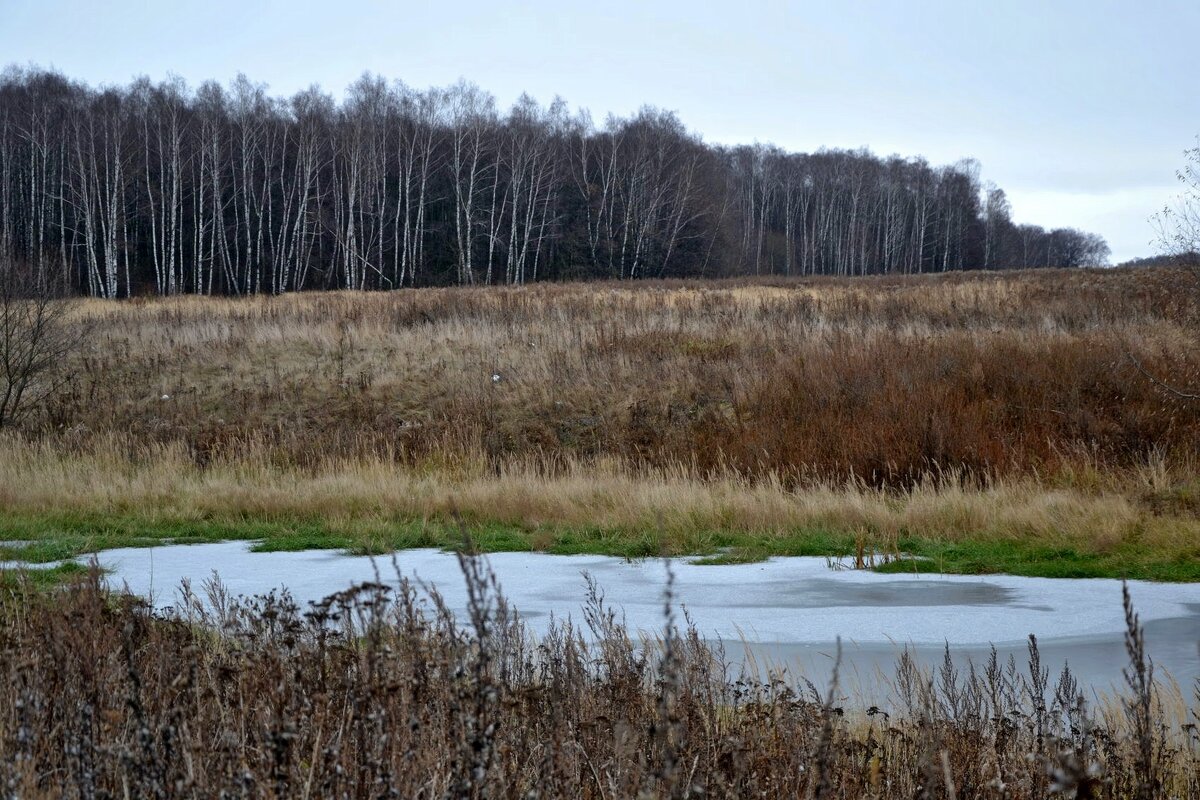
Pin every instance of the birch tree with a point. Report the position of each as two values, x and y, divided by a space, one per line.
472 114
228 189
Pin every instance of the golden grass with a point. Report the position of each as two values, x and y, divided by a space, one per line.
115 476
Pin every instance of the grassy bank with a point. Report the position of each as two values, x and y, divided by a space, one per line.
56 504
51 538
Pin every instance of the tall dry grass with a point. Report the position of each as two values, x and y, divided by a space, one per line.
117 476
886 380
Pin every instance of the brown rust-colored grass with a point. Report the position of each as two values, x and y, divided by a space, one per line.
886 380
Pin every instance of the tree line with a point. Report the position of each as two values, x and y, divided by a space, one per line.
154 187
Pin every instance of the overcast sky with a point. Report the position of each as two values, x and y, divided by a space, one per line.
1080 110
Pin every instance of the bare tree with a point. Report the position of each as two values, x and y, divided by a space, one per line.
472 118
1179 238
35 336
1179 223
418 137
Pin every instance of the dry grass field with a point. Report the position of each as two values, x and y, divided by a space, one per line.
886 379
988 421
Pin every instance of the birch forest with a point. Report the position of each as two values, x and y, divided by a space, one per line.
159 188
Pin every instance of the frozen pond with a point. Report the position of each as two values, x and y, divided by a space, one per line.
787 612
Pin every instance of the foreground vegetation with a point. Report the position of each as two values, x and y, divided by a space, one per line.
380 693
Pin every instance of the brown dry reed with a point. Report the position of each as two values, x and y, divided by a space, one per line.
383 691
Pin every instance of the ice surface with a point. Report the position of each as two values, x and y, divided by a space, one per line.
790 610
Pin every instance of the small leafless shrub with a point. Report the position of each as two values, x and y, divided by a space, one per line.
35 338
